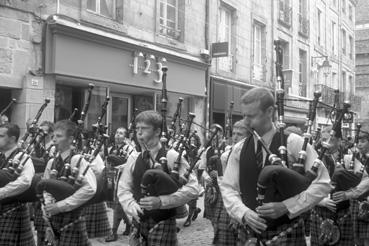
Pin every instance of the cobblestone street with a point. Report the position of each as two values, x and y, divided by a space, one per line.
199 233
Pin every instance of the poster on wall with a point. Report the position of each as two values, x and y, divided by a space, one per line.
143 103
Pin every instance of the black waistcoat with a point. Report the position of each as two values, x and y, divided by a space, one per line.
59 165
4 161
249 171
141 166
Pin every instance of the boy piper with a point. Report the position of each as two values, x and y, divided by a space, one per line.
68 211
15 226
148 124
246 160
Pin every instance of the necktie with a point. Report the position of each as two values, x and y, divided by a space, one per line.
3 161
259 155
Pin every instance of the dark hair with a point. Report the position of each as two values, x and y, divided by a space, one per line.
12 130
150 117
49 125
66 125
261 95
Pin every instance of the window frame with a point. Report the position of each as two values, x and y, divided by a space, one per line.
225 63
98 9
177 31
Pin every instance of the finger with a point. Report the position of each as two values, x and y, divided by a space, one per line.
257 224
265 212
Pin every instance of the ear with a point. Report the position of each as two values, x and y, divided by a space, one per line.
270 111
157 132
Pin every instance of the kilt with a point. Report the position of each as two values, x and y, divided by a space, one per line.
361 228
223 233
97 222
294 238
15 227
209 210
74 235
39 223
345 225
163 233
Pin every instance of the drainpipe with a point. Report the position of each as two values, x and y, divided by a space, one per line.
208 61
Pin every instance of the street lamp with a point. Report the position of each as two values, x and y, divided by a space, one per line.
326 66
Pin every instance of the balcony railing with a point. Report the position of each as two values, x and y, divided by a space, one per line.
285 13
304 25
328 97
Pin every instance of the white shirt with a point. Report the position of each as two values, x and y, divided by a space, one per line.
23 182
183 195
318 189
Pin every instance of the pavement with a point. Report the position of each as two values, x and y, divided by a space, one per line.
199 233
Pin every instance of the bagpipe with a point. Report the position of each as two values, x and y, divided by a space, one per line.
65 181
274 181
15 165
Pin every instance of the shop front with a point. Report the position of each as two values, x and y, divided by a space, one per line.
126 70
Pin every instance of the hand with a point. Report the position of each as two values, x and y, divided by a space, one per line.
253 220
330 204
272 210
51 209
136 210
150 203
339 196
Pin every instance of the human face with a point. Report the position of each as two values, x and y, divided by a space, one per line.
256 118
6 142
363 145
334 142
238 134
61 140
120 136
146 134
49 135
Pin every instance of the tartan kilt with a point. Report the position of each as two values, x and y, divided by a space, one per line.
39 222
345 226
163 233
223 233
361 228
97 222
294 238
74 235
15 228
209 210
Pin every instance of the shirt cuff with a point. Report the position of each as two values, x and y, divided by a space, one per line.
165 201
63 206
350 194
292 207
240 213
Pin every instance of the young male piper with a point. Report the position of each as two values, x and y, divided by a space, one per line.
15 224
161 231
65 215
238 186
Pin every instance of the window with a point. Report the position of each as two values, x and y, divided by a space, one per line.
334 80
334 2
168 20
351 48
102 7
333 37
319 19
344 6
344 41
303 20
285 12
259 51
286 55
224 35
351 12
302 73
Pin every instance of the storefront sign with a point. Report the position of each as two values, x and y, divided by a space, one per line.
219 49
148 64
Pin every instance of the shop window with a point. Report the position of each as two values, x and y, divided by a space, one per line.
103 7
63 103
171 18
